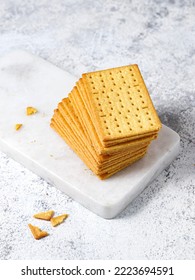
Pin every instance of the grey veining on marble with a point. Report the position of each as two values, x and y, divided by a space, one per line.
81 36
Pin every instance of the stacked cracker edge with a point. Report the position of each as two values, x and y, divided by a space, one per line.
108 119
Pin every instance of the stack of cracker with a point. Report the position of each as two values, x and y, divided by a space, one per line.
108 119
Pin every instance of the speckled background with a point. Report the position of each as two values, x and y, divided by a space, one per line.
85 35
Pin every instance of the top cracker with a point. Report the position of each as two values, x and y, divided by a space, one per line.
119 104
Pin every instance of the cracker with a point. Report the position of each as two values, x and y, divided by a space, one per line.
30 111
55 221
108 119
18 126
119 97
44 215
37 232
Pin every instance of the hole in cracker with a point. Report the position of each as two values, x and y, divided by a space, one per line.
119 131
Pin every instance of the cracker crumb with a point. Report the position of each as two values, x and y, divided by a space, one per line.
30 111
37 232
18 126
58 220
44 215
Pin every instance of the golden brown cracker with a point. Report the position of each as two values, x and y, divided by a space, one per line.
44 215
37 232
121 97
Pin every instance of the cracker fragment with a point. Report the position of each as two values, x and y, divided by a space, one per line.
18 126
44 215
30 111
37 232
55 221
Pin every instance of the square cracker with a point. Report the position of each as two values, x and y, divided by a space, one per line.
119 104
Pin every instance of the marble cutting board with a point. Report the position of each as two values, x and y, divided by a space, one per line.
27 80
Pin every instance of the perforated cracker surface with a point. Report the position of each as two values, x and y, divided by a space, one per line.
120 104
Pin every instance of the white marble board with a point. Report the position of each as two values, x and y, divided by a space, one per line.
27 80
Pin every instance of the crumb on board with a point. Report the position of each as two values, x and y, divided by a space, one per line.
30 111
18 126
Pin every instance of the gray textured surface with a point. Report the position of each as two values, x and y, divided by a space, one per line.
81 36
